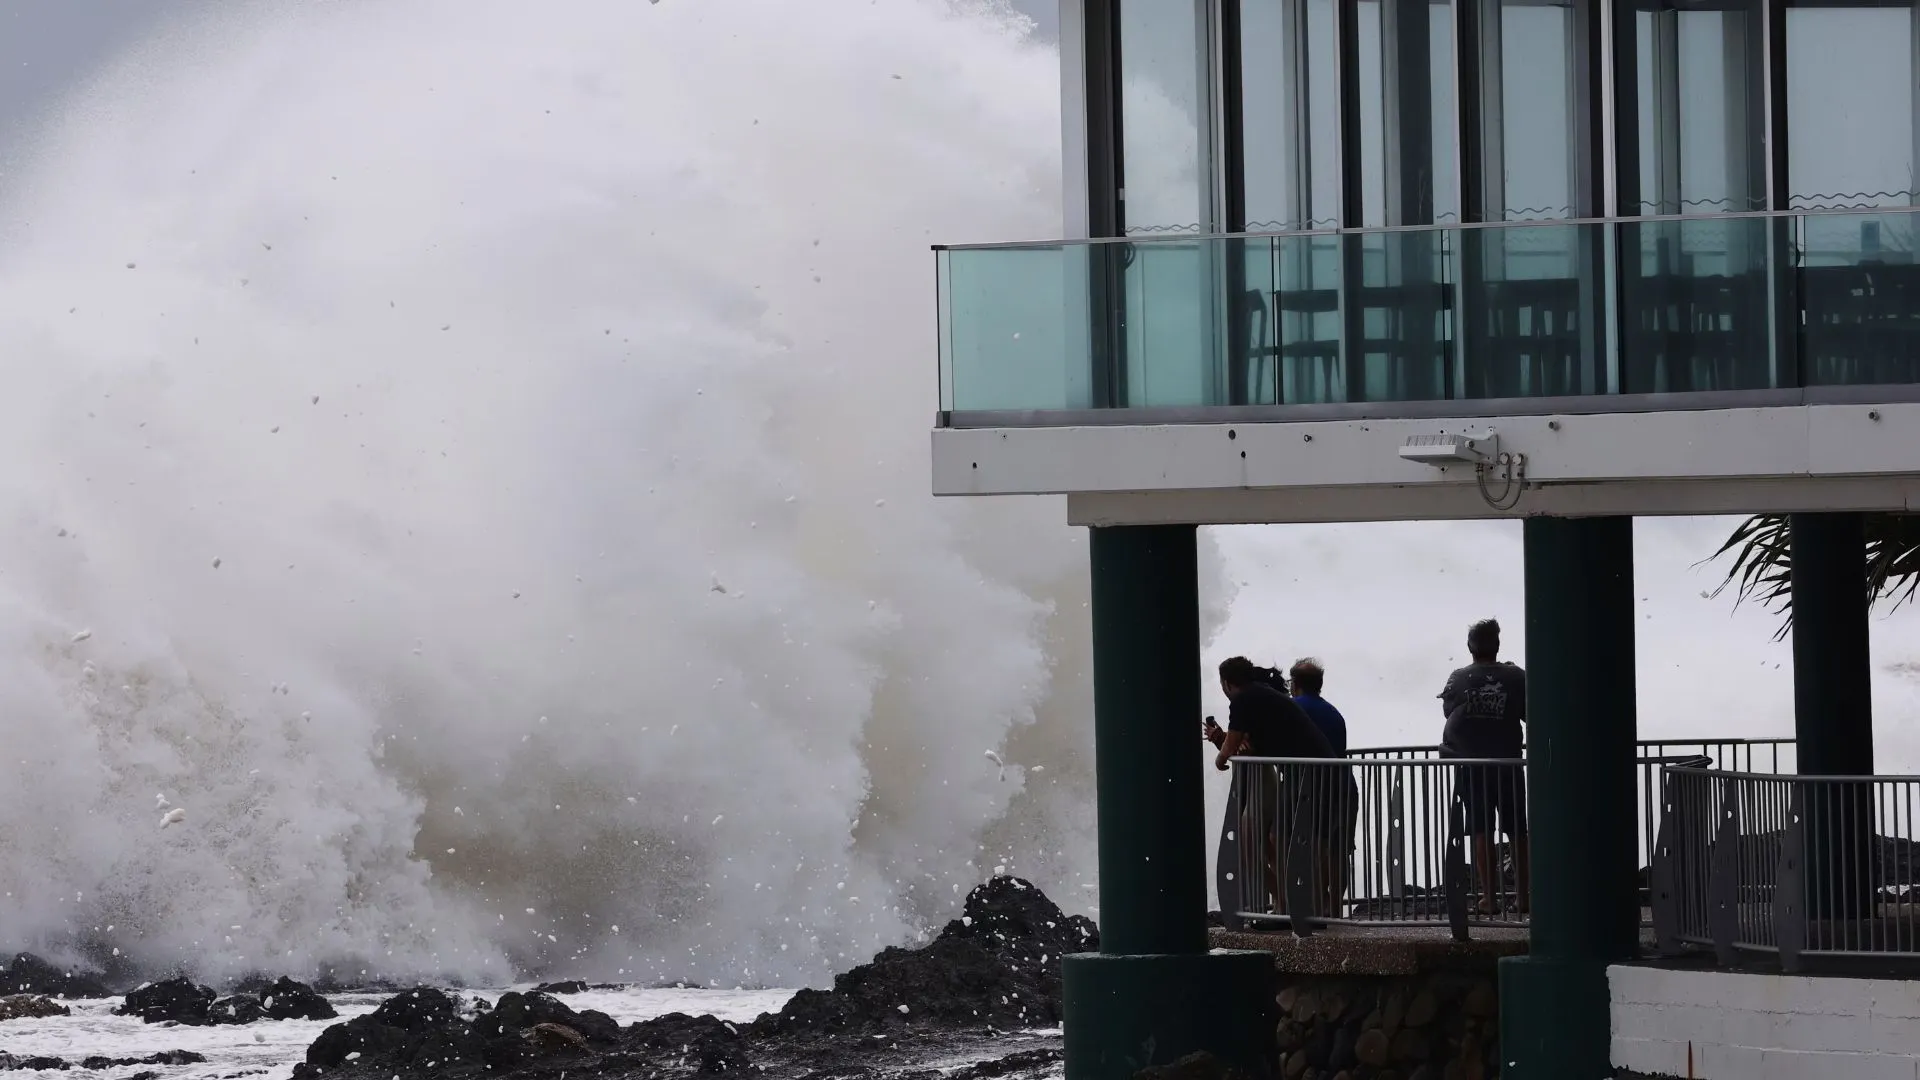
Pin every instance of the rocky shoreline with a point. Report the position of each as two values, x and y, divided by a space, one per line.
951 1009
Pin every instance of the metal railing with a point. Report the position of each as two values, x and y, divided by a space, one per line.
1400 835
1801 867
1377 840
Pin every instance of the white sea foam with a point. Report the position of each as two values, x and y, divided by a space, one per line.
453 404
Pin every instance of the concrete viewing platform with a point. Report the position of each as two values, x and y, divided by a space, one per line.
1377 950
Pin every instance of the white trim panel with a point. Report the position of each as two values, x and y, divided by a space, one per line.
1731 460
1718 1025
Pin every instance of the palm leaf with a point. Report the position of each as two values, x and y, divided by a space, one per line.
1762 569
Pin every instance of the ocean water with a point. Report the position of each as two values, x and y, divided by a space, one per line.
273 1047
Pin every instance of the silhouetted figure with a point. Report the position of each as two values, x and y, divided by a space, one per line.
1485 704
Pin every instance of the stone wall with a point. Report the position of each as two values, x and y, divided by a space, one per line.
1441 1025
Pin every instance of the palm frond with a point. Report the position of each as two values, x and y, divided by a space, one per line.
1762 569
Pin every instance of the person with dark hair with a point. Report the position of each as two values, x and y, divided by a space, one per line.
1262 721
1485 704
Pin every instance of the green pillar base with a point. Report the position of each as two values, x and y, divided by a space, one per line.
1556 1019
1123 1013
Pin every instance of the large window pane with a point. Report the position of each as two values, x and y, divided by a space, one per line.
1164 114
1850 119
1536 103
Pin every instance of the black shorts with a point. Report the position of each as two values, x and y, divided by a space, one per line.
1490 794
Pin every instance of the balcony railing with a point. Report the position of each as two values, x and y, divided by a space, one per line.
1382 836
1798 868
1435 320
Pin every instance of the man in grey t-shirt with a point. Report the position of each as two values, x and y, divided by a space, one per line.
1485 705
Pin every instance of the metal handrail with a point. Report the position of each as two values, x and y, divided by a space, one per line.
1798 867
1407 863
1453 226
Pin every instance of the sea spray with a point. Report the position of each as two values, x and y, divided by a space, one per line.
488 449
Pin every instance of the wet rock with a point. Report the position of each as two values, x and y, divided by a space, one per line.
30 1006
997 966
1372 1048
1423 1008
238 1009
517 1013
9 1063
28 974
286 999
165 1057
711 1045
555 1039
171 1001
571 986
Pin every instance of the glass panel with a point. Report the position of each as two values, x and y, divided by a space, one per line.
1007 318
1700 115
1444 120
1536 102
1169 324
1861 289
1323 88
1448 313
1695 301
1531 313
1266 100
1850 107
1373 137
1309 305
1164 113
1261 318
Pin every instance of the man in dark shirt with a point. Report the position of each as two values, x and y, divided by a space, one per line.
1264 722
1485 704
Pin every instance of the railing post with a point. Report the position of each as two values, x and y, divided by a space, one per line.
1666 913
1789 889
1454 876
1396 853
1723 877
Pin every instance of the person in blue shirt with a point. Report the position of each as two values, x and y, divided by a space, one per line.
1309 678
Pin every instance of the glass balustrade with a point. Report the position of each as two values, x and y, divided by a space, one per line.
1504 314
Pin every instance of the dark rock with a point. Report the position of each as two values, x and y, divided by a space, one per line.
395 1033
997 966
1372 1049
556 1039
165 1057
9 1063
1199 1065
175 1001
571 986
286 999
1342 1055
30 1006
516 1013
28 974
715 1045
238 1009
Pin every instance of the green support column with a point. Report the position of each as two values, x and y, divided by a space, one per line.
1154 993
1554 1012
1833 708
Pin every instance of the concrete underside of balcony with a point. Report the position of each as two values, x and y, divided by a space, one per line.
1788 458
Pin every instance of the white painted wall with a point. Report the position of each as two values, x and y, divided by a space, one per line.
1764 1027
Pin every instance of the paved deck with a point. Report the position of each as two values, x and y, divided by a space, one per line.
1377 950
